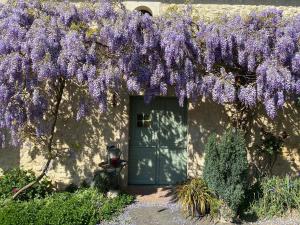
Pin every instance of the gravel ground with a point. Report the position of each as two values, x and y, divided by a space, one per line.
279 221
152 214
170 214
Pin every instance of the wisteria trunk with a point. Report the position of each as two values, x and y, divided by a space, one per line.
51 156
242 117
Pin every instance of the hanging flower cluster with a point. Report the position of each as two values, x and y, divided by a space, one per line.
103 46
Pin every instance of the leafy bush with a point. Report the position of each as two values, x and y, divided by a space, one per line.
70 209
14 179
253 191
195 197
226 166
24 212
84 207
279 195
113 206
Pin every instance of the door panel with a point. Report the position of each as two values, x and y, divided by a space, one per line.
158 140
172 127
172 165
143 123
143 171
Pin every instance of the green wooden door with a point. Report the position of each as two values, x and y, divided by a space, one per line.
158 141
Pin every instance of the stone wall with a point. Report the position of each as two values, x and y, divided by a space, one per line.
83 143
213 8
208 117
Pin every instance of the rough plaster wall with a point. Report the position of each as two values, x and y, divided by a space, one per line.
208 117
212 11
288 120
214 8
204 118
81 144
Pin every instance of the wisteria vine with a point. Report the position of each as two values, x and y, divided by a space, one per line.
103 47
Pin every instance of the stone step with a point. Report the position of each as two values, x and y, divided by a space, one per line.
150 193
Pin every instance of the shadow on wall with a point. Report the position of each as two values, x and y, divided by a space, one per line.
287 120
81 145
86 140
233 2
204 118
9 158
207 117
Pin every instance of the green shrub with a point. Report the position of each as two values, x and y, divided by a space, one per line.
14 213
14 179
71 209
196 197
113 206
84 207
226 167
279 195
253 191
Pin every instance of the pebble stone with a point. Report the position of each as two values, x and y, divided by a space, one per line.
142 213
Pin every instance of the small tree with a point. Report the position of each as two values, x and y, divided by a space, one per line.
225 168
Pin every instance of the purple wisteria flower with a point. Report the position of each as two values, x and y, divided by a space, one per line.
101 48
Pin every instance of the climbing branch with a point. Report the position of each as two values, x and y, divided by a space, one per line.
50 155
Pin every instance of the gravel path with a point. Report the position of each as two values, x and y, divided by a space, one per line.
170 214
152 214
279 221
